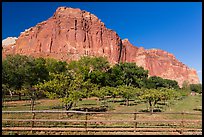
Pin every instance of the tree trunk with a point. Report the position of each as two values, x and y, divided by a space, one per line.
19 96
151 107
68 106
11 95
127 102
32 104
75 104
98 102
113 99
2 101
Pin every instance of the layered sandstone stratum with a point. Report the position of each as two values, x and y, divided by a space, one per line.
71 33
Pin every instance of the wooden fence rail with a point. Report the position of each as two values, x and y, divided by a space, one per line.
86 124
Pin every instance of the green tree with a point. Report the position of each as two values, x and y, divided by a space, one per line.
61 86
107 91
36 73
171 84
92 68
186 87
55 66
4 92
113 92
196 88
155 82
101 93
68 87
126 74
39 71
158 82
16 71
168 94
128 92
152 96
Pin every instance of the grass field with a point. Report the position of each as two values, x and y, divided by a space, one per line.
187 104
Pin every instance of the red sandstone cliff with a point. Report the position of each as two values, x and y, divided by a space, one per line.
68 35
72 33
159 63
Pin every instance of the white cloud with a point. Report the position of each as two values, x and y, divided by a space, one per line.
199 71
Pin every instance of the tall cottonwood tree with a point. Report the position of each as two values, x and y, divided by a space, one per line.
91 68
16 71
126 74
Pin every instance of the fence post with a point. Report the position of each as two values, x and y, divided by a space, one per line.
32 122
135 118
182 123
86 120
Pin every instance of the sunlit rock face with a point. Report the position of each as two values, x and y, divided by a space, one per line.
159 63
68 35
72 33
9 41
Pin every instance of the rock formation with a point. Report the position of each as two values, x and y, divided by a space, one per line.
68 35
159 63
72 33
9 41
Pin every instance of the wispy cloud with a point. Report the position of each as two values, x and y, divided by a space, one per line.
199 71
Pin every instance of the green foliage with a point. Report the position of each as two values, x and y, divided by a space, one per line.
158 82
101 93
55 66
68 87
171 84
186 86
16 70
92 68
126 74
87 88
152 96
21 72
40 70
168 94
5 90
196 88
87 77
59 86
128 92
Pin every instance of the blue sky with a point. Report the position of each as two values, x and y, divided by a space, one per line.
172 26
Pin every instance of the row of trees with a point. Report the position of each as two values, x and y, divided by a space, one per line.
87 77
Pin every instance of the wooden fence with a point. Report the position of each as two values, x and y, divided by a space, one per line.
88 124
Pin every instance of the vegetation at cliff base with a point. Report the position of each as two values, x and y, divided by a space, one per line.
88 77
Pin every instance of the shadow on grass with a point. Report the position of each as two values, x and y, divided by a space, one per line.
116 101
155 110
7 105
197 109
57 107
130 104
162 103
92 109
29 104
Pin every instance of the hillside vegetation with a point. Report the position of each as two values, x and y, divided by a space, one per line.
37 78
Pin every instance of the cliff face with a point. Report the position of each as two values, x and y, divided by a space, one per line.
159 63
68 35
9 41
72 33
